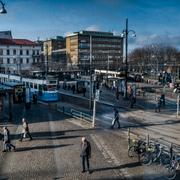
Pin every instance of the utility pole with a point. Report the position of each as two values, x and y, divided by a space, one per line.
177 104
107 72
90 71
46 60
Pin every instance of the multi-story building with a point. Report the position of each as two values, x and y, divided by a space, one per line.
18 55
5 35
54 50
106 50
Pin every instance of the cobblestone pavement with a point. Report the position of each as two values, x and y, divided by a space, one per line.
54 152
163 125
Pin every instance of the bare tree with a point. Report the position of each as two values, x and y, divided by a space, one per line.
154 57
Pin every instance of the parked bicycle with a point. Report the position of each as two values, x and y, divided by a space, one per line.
152 154
172 167
136 148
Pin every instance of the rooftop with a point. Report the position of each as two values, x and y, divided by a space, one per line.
5 34
93 33
17 42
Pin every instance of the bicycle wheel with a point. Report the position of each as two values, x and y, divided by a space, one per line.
171 173
175 164
165 159
145 159
131 151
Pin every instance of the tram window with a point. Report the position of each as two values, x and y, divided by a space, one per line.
27 84
40 87
35 86
45 88
31 85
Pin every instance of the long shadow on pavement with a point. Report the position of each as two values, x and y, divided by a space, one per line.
41 147
129 165
54 134
139 124
55 138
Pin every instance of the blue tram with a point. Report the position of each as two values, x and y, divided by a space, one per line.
44 89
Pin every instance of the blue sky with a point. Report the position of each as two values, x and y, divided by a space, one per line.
153 20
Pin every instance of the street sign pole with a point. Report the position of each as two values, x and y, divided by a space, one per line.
94 113
94 107
178 105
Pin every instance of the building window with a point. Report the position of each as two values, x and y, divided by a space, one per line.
37 52
1 51
8 61
21 52
27 60
33 53
14 52
33 60
21 60
7 52
27 52
1 60
14 60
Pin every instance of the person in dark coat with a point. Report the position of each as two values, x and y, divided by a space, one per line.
116 118
84 91
73 89
85 153
6 140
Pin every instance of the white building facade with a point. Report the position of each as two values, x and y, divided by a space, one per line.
18 55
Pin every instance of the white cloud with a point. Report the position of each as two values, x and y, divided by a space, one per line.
165 39
68 33
93 28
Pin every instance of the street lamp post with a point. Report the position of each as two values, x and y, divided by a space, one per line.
126 60
125 34
3 10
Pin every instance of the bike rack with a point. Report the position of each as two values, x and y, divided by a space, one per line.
168 147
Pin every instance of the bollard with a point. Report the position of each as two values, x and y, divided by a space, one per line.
171 151
148 140
63 109
128 136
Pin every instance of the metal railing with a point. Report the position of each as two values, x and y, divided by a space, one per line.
81 115
74 113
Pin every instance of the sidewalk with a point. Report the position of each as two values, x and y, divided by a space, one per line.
54 152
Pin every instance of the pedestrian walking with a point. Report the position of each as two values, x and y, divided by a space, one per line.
73 89
6 140
162 99
85 154
84 91
158 104
117 93
116 119
25 130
